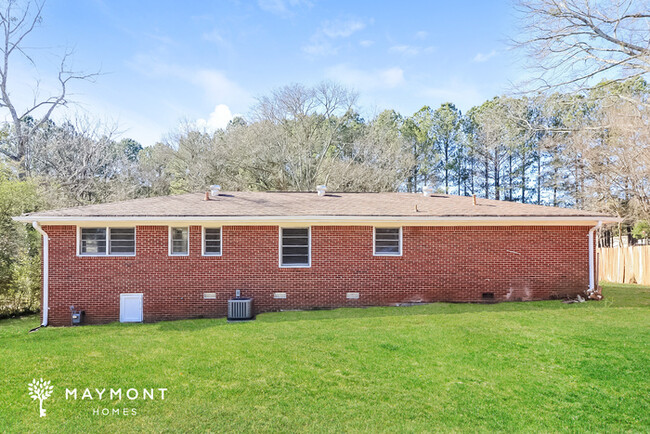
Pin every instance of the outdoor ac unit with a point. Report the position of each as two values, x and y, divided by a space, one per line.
240 308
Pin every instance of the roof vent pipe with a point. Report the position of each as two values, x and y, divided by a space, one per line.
321 189
427 190
474 199
215 190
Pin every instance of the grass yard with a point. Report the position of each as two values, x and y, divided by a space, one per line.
539 366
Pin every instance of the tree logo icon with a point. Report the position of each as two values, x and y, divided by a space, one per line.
40 390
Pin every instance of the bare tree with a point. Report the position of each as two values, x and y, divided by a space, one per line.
616 161
576 43
18 20
82 163
311 119
375 160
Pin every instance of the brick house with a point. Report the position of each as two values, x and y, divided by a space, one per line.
184 256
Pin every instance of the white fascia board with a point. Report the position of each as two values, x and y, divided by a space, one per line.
324 220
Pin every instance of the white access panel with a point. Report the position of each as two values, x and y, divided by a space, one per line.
130 307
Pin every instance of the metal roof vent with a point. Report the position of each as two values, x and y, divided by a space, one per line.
215 190
321 189
427 190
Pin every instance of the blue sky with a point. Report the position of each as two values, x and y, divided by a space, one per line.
168 61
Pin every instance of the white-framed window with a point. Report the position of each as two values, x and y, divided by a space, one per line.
295 247
211 241
179 241
387 241
106 241
121 241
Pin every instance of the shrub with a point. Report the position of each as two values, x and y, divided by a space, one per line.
641 230
20 272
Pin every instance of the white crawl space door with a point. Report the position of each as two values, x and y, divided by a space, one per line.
130 307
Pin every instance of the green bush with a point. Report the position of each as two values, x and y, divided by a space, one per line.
641 230
20 272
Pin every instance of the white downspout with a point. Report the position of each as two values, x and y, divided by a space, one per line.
46 272
592 265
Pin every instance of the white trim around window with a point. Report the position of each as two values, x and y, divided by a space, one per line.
374 242
203 252
280 247
169 241
107 249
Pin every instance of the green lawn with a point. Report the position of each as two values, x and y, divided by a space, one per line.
539 366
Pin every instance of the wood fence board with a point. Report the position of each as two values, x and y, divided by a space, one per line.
624 264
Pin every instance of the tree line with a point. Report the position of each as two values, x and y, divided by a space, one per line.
588 150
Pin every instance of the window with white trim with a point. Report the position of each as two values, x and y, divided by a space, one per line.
295 248
121 241
107 241
388 241
179 243
212 241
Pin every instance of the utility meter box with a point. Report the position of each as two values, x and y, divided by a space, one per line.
77 316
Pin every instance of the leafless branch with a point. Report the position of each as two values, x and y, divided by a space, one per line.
18 19
573 44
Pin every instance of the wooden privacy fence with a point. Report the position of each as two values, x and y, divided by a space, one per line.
624 264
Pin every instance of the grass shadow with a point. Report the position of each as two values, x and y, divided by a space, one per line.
616 295
438 308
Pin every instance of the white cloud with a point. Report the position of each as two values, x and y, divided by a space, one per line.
421 34
218 86
392 77
217 120
341 29
321 42
319 48
281 7
410 50
214 84
403 49
216 38
367 79
165 40
366 43
480 57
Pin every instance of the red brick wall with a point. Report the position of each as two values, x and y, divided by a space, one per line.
438 264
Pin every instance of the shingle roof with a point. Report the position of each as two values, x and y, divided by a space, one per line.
296 204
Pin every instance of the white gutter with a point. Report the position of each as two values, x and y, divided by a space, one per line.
314 218
46 272
592 265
